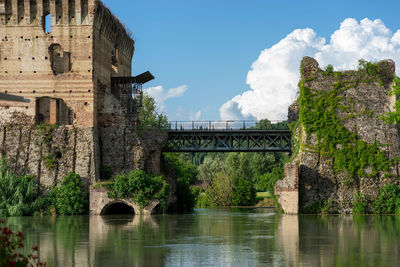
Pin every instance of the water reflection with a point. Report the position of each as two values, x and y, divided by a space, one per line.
256 237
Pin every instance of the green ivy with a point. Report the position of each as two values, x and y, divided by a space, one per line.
317 114
140 187
394 116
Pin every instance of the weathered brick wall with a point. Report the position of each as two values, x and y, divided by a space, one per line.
71 68
25 67
83 28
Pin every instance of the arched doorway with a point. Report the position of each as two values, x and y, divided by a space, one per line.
117 207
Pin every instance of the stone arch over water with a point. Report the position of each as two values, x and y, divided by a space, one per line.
118 207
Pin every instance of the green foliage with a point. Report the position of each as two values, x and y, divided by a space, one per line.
244 193
140 187
371 70
50 161
360 204
394 116
219 192
19 194
186 174
149 116
203 201
329 70
71 197
266 182
317 113
321 207
388 200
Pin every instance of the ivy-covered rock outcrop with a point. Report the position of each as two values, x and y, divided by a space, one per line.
345 138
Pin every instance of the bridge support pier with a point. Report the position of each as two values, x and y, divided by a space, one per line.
101 204
287 189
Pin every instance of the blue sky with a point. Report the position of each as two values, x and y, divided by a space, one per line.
205 49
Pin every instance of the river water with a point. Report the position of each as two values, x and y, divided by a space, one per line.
208 237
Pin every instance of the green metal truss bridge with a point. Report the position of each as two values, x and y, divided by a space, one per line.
228 136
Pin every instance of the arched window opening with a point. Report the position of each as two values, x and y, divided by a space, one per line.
47 23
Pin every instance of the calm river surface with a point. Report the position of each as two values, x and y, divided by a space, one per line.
245 237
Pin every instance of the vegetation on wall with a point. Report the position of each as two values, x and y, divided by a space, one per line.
139 187
394 116
318 115
388 200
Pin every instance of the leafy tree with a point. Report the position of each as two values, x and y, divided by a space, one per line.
71 197
211 165
244 193
149 115
220 190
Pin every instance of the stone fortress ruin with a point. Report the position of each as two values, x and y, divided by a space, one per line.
70 60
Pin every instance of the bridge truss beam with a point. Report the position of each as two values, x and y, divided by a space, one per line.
229 141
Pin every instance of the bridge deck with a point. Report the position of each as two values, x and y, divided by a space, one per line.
228 141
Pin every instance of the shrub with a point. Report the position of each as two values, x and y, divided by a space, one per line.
19 194
140 187
204 201
360 204
388 200
244 193
71 197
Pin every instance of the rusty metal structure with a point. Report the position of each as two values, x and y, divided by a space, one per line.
128 90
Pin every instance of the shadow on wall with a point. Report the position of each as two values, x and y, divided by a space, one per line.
313 189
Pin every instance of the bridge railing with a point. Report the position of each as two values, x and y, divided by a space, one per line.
227 125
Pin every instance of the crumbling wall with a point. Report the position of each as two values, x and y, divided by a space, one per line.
343 146
49 152
112 57
124 149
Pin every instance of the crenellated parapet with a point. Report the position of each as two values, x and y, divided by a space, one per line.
113 30
32 12
65 50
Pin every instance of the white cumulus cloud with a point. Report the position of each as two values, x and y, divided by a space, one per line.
274 75
160 94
